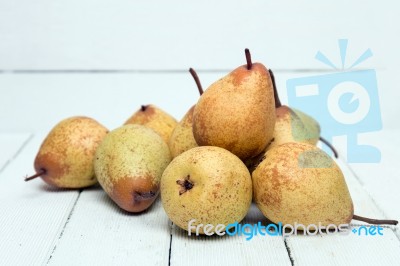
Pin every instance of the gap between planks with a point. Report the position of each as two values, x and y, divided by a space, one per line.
13 157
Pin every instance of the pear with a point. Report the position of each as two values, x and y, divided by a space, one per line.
237 112
182 138
154 118
129 163
65 158
298 182
208 184
294 126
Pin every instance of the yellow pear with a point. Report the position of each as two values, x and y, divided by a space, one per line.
65 158
237 112
129 163
207 184
300 183
154 118
182 138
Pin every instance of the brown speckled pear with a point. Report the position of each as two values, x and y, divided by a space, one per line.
299 183
65 158
154 118
182 138
129 164
237 112
208 184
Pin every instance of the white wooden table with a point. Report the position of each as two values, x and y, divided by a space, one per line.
88 58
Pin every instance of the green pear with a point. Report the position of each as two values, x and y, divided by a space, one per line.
298 182
208 184
294 126
313 128
65 158
153 117
129 163
237 112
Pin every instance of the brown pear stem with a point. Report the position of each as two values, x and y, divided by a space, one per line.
197 80
248 58
374 221
327 143
143 108
42 172
276 95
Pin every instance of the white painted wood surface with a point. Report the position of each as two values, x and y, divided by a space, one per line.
88 228
10 145
33 215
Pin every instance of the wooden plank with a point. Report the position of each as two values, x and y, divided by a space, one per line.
175 35
98 232
229 250
33 215
351 249
112 98
10 143
381 180
109 98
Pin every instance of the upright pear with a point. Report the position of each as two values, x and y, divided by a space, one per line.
153 117
300 183
237 112
65 158
129 163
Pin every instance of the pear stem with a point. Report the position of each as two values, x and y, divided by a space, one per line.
374 221
42 172
143 108
248 58
327 143
276 95
197 80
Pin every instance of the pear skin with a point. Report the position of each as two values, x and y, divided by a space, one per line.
182 138
299 183
313 129
237 112
208 184
65 157
129 163
290 127
154 118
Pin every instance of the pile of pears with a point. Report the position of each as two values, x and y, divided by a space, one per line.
237 145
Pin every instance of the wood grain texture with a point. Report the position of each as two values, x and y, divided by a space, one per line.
32 214
112 98
229 250
175 35
381 180
351 249
99 232
10 145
